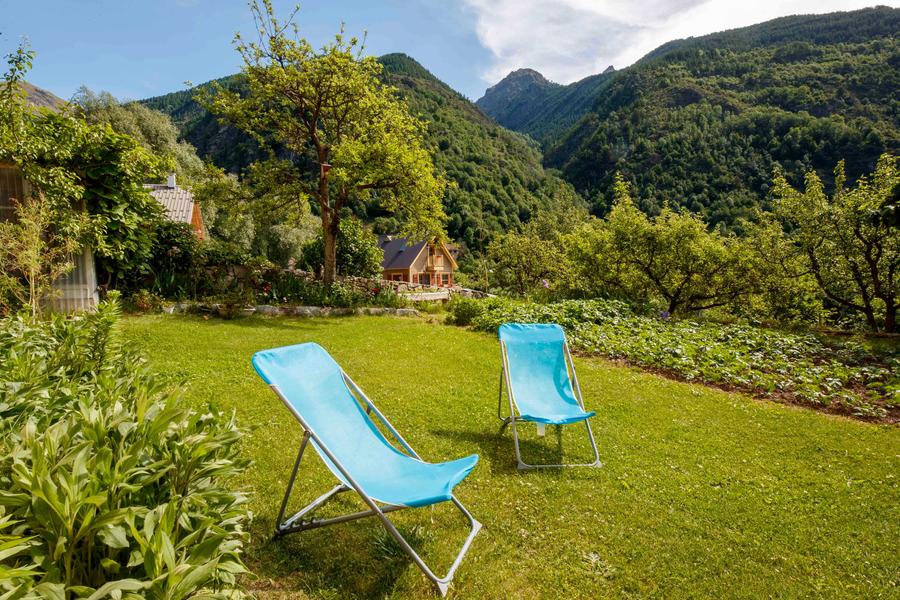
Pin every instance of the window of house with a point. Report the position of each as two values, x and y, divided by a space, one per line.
396 277
415 278
12 185
439 260
445 278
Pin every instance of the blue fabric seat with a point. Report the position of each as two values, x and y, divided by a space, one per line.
539 375
541 384
312 385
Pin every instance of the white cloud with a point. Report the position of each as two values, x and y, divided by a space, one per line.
567 40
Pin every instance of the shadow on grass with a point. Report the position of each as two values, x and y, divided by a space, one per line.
498 446
349 560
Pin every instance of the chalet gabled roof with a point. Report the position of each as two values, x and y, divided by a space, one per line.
400 254
397 253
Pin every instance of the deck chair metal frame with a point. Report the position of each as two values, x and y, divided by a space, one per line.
512 419
296 522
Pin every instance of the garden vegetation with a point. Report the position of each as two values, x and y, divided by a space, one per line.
816 260
843 376
109 485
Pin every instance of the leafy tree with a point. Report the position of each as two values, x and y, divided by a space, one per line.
673 257
787 292
264 214
566 212
358 252
152 129
497 179
226 205
853 254
526 263
354 138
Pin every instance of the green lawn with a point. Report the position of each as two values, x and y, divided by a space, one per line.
703 494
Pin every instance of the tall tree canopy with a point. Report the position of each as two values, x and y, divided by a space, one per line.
672 256
352 136
152 129
850 248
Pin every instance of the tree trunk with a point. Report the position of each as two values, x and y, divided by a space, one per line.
673 306
330 224
871 321
890 318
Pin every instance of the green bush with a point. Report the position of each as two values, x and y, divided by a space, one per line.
144 301
388 298
799 366
177 261
16 580
283 287
116 488
462 311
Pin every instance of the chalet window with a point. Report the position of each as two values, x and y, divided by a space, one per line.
12 185
439 260
445 278
415 278
396 277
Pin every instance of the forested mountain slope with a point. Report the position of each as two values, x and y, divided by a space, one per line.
517 98
227 147
498 175
703 122
526 102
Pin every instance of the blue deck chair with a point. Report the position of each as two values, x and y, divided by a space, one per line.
540 382
335 416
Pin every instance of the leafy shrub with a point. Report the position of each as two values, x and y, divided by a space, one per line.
358 252
177 260
16 580
462 311
233 303
115 487
388 298
283 287
219 252
145 301
800 366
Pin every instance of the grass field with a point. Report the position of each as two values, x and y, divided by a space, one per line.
704 494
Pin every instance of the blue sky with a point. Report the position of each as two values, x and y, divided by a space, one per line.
140 48
136 49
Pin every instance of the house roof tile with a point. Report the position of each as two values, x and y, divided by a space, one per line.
177 202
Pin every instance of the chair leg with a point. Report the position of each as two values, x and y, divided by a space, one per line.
442 583
500 416
523 466
590 434
520 464
295 523
287 493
